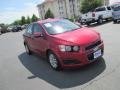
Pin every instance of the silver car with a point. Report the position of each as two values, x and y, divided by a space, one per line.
116 14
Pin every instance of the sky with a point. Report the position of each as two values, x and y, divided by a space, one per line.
11 10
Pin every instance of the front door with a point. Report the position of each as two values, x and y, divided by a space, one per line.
40 43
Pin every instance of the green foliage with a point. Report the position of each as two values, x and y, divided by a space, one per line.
49 14
17 22
28 21
23 20
89 5
34 18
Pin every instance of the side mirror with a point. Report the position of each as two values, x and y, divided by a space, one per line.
37 34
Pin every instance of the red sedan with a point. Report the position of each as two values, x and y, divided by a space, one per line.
65 44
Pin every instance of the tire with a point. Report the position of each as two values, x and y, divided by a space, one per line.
28 51
88 24
114 21
53 61
100 21
81 23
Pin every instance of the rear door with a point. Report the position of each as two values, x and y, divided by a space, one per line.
28 35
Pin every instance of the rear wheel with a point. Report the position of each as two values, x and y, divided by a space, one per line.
100 21
28 50
54 62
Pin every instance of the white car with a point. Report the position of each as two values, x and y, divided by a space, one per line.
116 13
98 15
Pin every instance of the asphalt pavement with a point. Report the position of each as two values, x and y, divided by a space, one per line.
19 71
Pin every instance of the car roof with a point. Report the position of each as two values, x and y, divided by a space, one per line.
103 6
48 20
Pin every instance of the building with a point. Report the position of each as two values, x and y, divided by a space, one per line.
106 2
60 8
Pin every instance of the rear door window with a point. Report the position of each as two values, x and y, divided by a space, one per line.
29 29
100 9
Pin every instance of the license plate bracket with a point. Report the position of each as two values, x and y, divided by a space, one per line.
97 54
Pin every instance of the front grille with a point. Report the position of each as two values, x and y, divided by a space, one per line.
93 45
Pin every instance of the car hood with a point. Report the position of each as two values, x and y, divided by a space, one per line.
80 36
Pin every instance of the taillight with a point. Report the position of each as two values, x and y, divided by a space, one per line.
93 14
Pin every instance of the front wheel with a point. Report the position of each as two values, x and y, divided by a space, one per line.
53 60
100 21
115 21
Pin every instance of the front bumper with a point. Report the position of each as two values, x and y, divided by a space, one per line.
116 17
77 59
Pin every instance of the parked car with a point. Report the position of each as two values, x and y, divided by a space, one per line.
97 15
0 30
65 44
10 28
116 13
16 28
24 26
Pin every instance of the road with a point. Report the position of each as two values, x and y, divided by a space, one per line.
19 71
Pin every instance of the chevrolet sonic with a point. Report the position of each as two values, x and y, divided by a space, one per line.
63 43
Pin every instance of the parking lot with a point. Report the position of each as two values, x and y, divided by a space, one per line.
19 71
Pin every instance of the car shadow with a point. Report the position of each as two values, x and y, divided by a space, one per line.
61 79
96 24
117 22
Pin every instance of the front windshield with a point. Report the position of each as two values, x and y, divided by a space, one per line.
117 8
60 26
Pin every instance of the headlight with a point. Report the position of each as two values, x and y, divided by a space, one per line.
68 48
76 48
64 48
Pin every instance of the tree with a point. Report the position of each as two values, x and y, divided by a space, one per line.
89 5
17 22
34 18
49 14
23 20
28 21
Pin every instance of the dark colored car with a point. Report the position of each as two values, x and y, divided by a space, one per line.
63 43
16 28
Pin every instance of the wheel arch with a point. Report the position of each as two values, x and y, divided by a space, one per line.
100 16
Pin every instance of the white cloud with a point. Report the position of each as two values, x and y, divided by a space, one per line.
10 14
